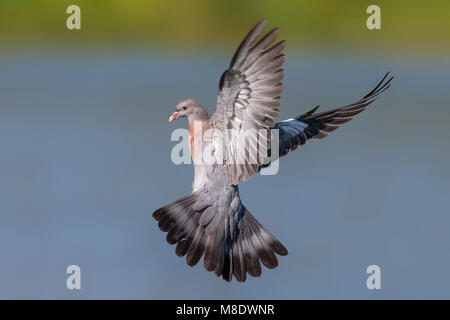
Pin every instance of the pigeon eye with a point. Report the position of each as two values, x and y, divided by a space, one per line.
184 107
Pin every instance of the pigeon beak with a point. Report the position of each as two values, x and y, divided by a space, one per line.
174 116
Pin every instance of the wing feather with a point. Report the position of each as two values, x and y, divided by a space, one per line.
249 97
295 132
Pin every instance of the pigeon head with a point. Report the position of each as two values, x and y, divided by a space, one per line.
189 108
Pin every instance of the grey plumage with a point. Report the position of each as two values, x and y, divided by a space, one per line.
212 221
248 100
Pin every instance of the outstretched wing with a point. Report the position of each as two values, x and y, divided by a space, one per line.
248 101
296 132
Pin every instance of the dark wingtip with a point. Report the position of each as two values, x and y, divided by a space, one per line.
280 249
254 33
157 214
262 21
380 87
308 113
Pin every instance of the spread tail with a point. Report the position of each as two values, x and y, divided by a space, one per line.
232 241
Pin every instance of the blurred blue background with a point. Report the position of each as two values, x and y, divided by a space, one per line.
85 160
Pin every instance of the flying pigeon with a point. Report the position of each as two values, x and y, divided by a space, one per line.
212 221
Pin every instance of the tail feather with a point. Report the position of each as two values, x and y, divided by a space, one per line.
215 245
250 256
264 252
274 244
196 248
180 228
179 209
232 241
239 270
180 221
184 244
207 216
227 272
